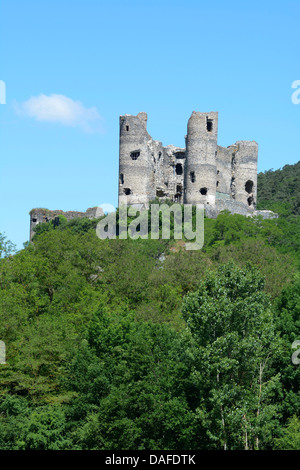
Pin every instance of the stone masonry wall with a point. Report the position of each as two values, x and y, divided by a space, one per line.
201 173
39 216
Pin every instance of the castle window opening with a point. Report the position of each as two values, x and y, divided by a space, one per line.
192 176
160 193
135 155
250 201
203 191
249 186
217 184
127 128
127 191
209 125
178 169
180 155
34 220
121 178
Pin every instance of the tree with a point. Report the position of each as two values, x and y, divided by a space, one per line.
288 326
6 247
231 321
279 190
290 436
132 380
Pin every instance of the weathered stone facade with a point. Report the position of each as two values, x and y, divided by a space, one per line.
202 173
39 216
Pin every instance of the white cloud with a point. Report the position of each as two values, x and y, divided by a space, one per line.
60 109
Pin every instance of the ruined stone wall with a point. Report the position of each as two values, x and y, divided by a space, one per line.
225 171
203 173
237 173
246 173
147 169
40 216
170 176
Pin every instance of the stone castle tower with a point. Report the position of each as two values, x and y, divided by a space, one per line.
202 173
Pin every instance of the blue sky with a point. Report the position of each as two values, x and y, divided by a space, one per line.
114 57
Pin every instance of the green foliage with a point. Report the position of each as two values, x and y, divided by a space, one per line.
231 321
290 436
7 248
287 309
35 428
131 386
279 190
277 268
100 355
232 230
79 226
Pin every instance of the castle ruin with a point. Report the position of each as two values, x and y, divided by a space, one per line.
201 173
220 178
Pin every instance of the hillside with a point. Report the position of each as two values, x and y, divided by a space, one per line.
139 344
279 190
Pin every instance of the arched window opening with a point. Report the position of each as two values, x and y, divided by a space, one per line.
249 186
135 155
178 169
209 125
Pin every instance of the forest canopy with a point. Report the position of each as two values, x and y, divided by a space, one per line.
140 344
